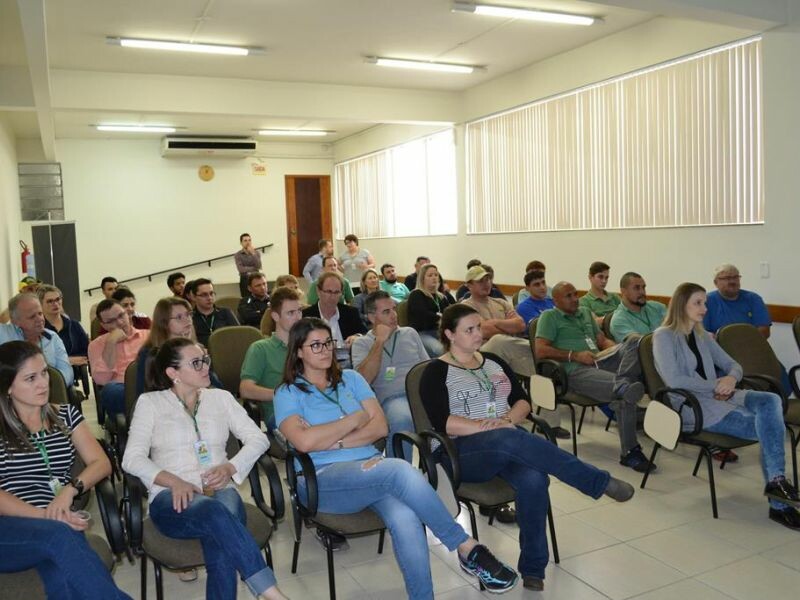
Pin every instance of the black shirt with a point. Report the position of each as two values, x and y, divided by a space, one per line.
205 324
252 309
701 370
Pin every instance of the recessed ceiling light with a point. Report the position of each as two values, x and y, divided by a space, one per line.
183 46
295 132
421 65
524 13
137 128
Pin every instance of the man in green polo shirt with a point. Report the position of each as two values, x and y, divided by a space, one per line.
595 366
636 314
597 299
262 369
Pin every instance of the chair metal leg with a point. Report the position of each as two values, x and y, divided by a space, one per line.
574 432
331 578
295 554
159 582
793 439
697 464
268 555
143 582
492 513
580 423
608 423
711 485
656 446
381 539
472 521
553 541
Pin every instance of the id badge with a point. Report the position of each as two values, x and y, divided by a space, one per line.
202 452
590 342
55 486
491 410
389 374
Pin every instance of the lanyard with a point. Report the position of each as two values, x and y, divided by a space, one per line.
394 345
192 414
38 441
211 325
436 302
330 399
638 317
483 379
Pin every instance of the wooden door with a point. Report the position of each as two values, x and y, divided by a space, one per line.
308 217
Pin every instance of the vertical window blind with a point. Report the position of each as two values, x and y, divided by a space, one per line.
406 190
678 144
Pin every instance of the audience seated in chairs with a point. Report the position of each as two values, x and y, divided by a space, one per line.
28 323
111 353
597 300
595 366
193 494
411 279
313 266
534 265
538 299
389 284
71 332
38 446
334 417
331 265
370 282
475 398
384 357
463 292
127 300
343 320
687 357
108 285
176 282
425 306
253 306
208 316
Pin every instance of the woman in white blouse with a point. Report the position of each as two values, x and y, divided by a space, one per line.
176 447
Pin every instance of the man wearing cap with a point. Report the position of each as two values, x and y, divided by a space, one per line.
729 303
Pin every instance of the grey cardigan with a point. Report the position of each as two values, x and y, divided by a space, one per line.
677 365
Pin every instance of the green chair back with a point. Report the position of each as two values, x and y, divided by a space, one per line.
750 349
58 387
402 313
227 347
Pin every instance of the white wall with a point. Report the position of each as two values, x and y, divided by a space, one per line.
137 212
9 215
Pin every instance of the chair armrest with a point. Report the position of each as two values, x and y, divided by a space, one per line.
309 472
757 381
134 490
109 514
450 449
427 464
556 371
689 400
544 427
276 510
793 380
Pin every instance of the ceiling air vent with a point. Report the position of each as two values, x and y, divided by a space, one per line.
220 147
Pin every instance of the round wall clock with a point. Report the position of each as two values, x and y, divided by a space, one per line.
206 173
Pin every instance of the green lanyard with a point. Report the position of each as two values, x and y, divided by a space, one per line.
42 448
334 401
211 325
483 379
192 414
436 302
394 345
646 319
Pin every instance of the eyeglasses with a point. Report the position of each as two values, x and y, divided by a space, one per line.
316 347
206 295
120 317
198 363
730 278
183 317
53 300
332 292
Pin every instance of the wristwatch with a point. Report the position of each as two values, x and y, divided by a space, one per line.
77 484
340 443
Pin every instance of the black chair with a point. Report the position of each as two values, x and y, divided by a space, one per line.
706 441
605 327
491 494
555 370
762 370
182 555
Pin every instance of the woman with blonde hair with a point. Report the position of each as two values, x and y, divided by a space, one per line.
370 282
292 283
425 306
688 357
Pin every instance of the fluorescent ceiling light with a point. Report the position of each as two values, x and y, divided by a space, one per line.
421 65
524 13
295 132
137 128
184 46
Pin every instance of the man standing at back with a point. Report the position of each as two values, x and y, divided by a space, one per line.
208 317
384 357
729 303
313 266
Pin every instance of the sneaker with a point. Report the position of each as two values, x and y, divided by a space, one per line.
504 514
561 433
725 456
337 542
782 490
529 582
636 460
495 576
788 517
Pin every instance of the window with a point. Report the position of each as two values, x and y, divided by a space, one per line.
678 144
407 190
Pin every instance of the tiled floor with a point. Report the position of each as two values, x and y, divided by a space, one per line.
662 545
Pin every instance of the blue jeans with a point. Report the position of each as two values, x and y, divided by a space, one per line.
398 416
68 566
431 343
218 522
112 398
525 461
761 419
404 500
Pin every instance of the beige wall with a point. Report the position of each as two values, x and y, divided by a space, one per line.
9 215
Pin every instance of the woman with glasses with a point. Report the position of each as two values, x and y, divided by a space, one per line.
69 330
176 446
38 447
334 417
476 399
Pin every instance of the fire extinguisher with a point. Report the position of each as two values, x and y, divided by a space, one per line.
28 265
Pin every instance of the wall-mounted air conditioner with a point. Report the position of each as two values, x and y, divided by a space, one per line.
218 147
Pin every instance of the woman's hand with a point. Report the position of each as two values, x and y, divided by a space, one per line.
487 424
218 477
182 494
58 509
725 386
